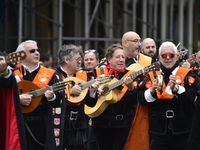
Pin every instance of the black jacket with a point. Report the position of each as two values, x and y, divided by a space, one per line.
182 106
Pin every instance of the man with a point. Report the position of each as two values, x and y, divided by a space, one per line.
91 59
75 121
39 121
11 121
131 43
111 128
149 48
171 100
47 60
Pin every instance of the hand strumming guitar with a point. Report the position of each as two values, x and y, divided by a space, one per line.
129 83
76 90
25 99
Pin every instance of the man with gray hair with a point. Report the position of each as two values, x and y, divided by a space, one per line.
75 121
38 120
170 93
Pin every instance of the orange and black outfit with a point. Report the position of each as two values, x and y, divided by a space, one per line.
74 122
111 128
171 112
39 122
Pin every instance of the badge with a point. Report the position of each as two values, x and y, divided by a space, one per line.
56 132
56 121
57 141
58 110
53 111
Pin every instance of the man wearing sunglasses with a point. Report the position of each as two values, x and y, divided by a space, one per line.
170 92
38 122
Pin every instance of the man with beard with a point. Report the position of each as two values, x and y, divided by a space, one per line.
171 101
12 134
149 48
131 43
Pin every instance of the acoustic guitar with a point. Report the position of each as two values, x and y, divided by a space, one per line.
112 94
15 57
84 86
37 92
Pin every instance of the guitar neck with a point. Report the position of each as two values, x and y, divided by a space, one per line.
39 92
87 84
120 82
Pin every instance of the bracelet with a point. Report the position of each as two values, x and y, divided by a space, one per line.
3 73
175 89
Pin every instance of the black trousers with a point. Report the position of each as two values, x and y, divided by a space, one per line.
111 138
169 141
38 130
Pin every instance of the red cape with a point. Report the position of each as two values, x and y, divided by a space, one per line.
9 124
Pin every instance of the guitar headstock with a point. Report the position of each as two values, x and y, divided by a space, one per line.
152 67
61 86
182 52
15 57
192 58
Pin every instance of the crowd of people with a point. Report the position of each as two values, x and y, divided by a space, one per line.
137 98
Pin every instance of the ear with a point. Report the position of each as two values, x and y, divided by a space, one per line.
66 60
108 60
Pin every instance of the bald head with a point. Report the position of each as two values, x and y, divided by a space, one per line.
148 47
131 43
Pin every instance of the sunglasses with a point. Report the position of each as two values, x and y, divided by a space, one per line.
90 51
171 55
33 50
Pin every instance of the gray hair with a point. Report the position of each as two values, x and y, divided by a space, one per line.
166 44
68 51
21 45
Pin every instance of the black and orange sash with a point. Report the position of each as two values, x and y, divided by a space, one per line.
42 78
144 60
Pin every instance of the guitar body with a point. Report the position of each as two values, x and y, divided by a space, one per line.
25 87
77 98
109 97
135 67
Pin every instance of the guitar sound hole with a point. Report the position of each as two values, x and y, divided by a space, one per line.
105 90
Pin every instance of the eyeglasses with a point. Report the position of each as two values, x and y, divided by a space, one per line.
90 51
171 55
78 59
136 40
33 50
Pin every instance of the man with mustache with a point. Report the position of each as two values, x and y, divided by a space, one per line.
149 48
131 43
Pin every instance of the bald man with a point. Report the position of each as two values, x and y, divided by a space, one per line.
149 48
131 43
